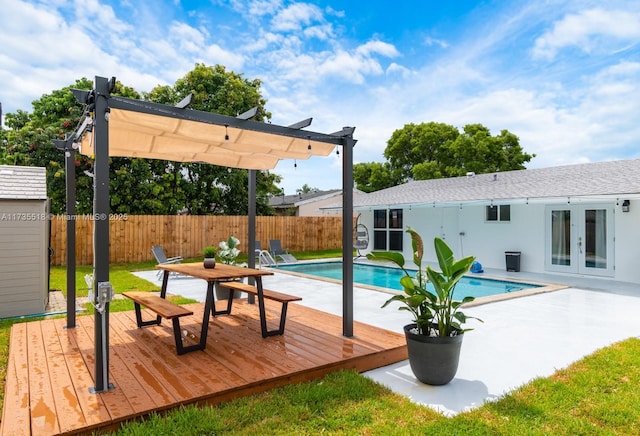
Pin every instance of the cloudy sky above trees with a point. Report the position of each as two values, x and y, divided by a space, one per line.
563 75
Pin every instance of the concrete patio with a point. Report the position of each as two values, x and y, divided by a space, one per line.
520 339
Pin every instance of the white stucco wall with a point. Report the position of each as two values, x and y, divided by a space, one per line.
525 232
627 243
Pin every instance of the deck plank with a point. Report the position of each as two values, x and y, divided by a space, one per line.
117 404
44 419
94 410
68 411
149 376
17 384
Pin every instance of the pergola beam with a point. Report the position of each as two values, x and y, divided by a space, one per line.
148 107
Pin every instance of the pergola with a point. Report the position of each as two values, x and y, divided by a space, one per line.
118 126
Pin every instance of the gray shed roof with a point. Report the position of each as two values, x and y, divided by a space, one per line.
23 183
592 180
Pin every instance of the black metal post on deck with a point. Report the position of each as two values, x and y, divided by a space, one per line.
67 146
70 179
347 235
101 229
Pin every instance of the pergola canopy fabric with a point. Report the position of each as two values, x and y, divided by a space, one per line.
141 129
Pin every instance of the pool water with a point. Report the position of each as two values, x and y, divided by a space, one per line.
389 277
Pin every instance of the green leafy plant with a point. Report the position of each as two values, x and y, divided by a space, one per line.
229 252
435 313
209 252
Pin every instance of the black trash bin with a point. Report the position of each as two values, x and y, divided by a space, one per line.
513 260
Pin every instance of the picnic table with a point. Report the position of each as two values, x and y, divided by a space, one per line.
221 273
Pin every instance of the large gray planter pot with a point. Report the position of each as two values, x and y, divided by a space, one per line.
433 360
222 293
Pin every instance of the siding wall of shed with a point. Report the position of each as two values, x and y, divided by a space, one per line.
23 257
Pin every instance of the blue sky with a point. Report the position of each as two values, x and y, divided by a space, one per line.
562 75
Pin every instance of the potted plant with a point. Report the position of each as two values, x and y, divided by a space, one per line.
227 254
435 337
209 257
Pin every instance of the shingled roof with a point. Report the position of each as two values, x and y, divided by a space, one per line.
594 180
299 199
23 183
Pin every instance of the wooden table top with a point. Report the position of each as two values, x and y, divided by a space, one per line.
220 272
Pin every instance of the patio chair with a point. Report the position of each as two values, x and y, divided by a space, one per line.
275 248
161 258
361 241
263 257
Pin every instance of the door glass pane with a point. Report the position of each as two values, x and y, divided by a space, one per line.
561 237
595 238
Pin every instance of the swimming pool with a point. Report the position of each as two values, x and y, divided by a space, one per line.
389 277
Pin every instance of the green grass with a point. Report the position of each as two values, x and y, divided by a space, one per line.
597 395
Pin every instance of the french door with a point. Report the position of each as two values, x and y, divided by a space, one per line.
579 239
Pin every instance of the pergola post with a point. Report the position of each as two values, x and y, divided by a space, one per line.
67 147
347 235
70 178
101 286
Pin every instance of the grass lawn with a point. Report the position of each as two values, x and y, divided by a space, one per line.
597 395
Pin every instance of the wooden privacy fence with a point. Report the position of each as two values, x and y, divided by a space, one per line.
131 236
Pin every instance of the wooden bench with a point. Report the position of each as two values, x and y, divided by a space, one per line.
284 299
164 309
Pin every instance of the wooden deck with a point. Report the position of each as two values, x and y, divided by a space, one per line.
51 368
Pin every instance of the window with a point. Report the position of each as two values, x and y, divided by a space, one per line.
380 219
395 218
384 238
498 213
379 240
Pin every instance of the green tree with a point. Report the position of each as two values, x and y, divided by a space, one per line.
142 186
418 143
436 150
374 176
207 188
28 141
306 189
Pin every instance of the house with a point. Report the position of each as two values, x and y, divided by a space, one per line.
309 204
575 219
24 241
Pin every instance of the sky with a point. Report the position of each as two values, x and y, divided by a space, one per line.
562 75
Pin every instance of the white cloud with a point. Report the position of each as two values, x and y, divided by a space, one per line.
295 17
590 30
433 41
186 38
377 47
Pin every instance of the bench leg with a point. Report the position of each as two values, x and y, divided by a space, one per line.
263 322
139 320
180 348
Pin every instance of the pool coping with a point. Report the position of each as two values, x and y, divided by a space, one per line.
541 289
